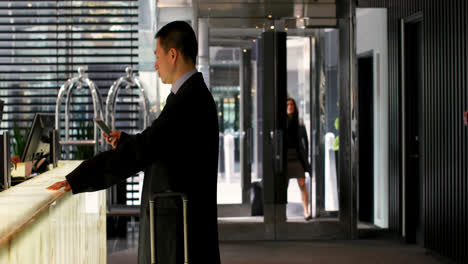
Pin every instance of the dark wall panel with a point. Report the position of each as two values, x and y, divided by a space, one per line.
444 137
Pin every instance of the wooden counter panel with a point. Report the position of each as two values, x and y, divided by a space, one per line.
41 226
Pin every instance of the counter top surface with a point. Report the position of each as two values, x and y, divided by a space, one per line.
21 203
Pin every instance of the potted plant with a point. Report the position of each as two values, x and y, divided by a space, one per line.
85 131
19 141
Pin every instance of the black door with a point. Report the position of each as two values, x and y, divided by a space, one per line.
366 144
413 83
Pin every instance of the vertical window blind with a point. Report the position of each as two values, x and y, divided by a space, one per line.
42 44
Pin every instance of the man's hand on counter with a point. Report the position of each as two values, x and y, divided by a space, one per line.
56 186
113 138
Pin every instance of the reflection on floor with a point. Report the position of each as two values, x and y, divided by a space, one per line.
329 252
118 244
124 250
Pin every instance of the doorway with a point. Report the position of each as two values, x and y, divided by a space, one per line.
413 210
300 199
280 57
373 111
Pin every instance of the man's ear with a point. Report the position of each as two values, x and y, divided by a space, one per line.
173 53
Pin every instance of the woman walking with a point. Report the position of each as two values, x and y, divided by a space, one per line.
298 153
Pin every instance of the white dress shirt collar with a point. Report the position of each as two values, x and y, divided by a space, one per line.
182 80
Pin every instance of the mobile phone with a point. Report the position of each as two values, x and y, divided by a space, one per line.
102 125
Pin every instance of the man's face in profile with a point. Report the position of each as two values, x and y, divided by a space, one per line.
164 64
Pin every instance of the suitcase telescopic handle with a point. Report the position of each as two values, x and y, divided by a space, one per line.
156 196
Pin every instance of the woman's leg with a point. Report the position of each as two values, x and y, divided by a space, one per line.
305 196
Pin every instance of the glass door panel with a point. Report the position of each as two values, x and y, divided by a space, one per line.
312 81
233 82
315 57
225 87
300 197
327 118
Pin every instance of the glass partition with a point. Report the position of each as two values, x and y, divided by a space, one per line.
225 87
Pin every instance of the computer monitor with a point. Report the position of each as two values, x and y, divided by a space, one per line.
39 137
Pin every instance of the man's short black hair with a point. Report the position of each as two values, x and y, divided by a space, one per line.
179 35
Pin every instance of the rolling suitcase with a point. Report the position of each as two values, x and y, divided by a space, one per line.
153 207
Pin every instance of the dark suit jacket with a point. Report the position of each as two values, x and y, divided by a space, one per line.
179 152
303 147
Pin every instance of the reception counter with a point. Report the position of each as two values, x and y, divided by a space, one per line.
41 226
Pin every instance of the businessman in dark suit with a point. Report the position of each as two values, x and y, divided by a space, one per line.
179 152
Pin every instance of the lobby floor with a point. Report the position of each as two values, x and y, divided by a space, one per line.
302 252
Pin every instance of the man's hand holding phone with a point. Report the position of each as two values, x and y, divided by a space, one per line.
112 138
